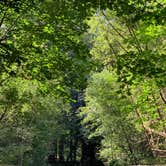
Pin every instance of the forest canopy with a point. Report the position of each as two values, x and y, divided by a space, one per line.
82 82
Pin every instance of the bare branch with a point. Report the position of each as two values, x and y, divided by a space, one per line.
162 134
132 33
163 96
110 45
115 29
116 42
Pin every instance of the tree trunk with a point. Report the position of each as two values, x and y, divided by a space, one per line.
88 154
61 150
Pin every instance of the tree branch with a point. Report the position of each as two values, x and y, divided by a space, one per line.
4 113
163 96
3 18
132 33
113 26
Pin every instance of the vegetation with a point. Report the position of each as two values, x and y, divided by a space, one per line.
82 82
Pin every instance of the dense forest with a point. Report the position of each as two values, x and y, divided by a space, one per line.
82 82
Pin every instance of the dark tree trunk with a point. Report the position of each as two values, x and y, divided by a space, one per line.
75 150
88 157
61 150
88 154
55 150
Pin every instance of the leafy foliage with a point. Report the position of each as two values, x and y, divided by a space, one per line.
114 51
132 49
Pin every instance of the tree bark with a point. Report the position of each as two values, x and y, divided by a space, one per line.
61 150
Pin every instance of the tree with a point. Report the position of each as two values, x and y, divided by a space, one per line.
118 46
41 49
